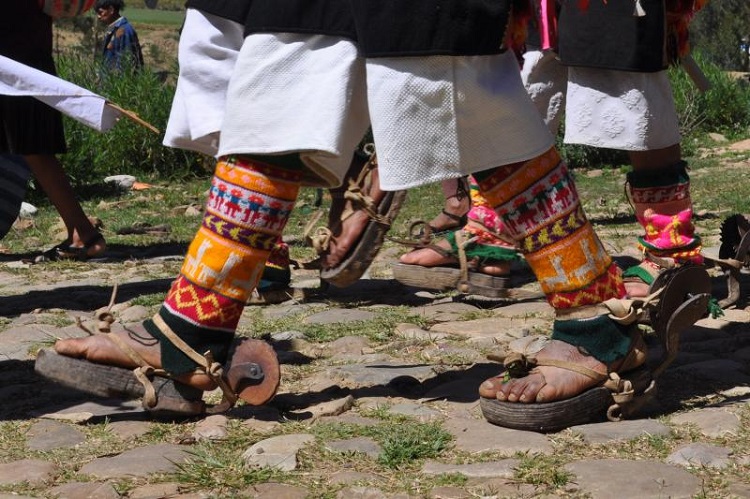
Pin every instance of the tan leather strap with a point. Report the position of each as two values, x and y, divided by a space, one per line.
206 363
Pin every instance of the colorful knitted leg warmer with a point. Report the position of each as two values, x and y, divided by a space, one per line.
247 208
538 202
663 207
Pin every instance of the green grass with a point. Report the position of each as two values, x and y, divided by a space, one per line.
157 17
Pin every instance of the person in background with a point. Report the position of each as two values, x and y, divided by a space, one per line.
121 48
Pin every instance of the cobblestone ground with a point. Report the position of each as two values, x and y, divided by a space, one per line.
691 442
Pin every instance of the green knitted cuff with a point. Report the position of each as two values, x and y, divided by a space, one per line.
671 175
484 252
174 360
640 273
601 337
669 251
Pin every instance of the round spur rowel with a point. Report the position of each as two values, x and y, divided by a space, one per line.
254 373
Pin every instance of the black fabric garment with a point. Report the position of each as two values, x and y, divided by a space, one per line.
387 28
234 10
610 36
27 125
26 34
391 27
324 17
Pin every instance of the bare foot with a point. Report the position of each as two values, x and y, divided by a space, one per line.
100 349
547 383
636 289
91 239
346 233
426 257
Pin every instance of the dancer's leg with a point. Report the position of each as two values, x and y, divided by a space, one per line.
247 210
539 205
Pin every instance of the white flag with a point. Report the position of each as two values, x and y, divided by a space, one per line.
82 105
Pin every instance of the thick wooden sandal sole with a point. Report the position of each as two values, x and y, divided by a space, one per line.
174 399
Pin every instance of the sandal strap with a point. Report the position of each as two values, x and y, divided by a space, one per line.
206 363
321 238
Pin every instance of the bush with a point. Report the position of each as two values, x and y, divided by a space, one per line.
725 108
127 148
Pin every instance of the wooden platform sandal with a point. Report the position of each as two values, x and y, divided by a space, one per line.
681 297
251 374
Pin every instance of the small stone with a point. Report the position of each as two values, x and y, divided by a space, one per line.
736 392
382 373
135 313
287 336
33 471
490 469
277 452
261 426
276 491
444 312
412 332
139 462
84 490
27 210
347 345
362 445
419 412
500 329
480 436
155 491
48 435
600 433
367 493
449 493
330 408
608 478
193 211
700 455
127 430
73 417
712 422
213 427
124 182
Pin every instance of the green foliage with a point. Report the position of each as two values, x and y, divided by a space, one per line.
725 108
580 156
128 148
718 30
405 442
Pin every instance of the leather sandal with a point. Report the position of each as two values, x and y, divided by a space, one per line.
64 251
381 215
251 374
465 274
681 297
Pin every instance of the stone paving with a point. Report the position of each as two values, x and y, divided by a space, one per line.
429 374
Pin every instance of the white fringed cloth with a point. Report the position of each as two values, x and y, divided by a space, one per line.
82 105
